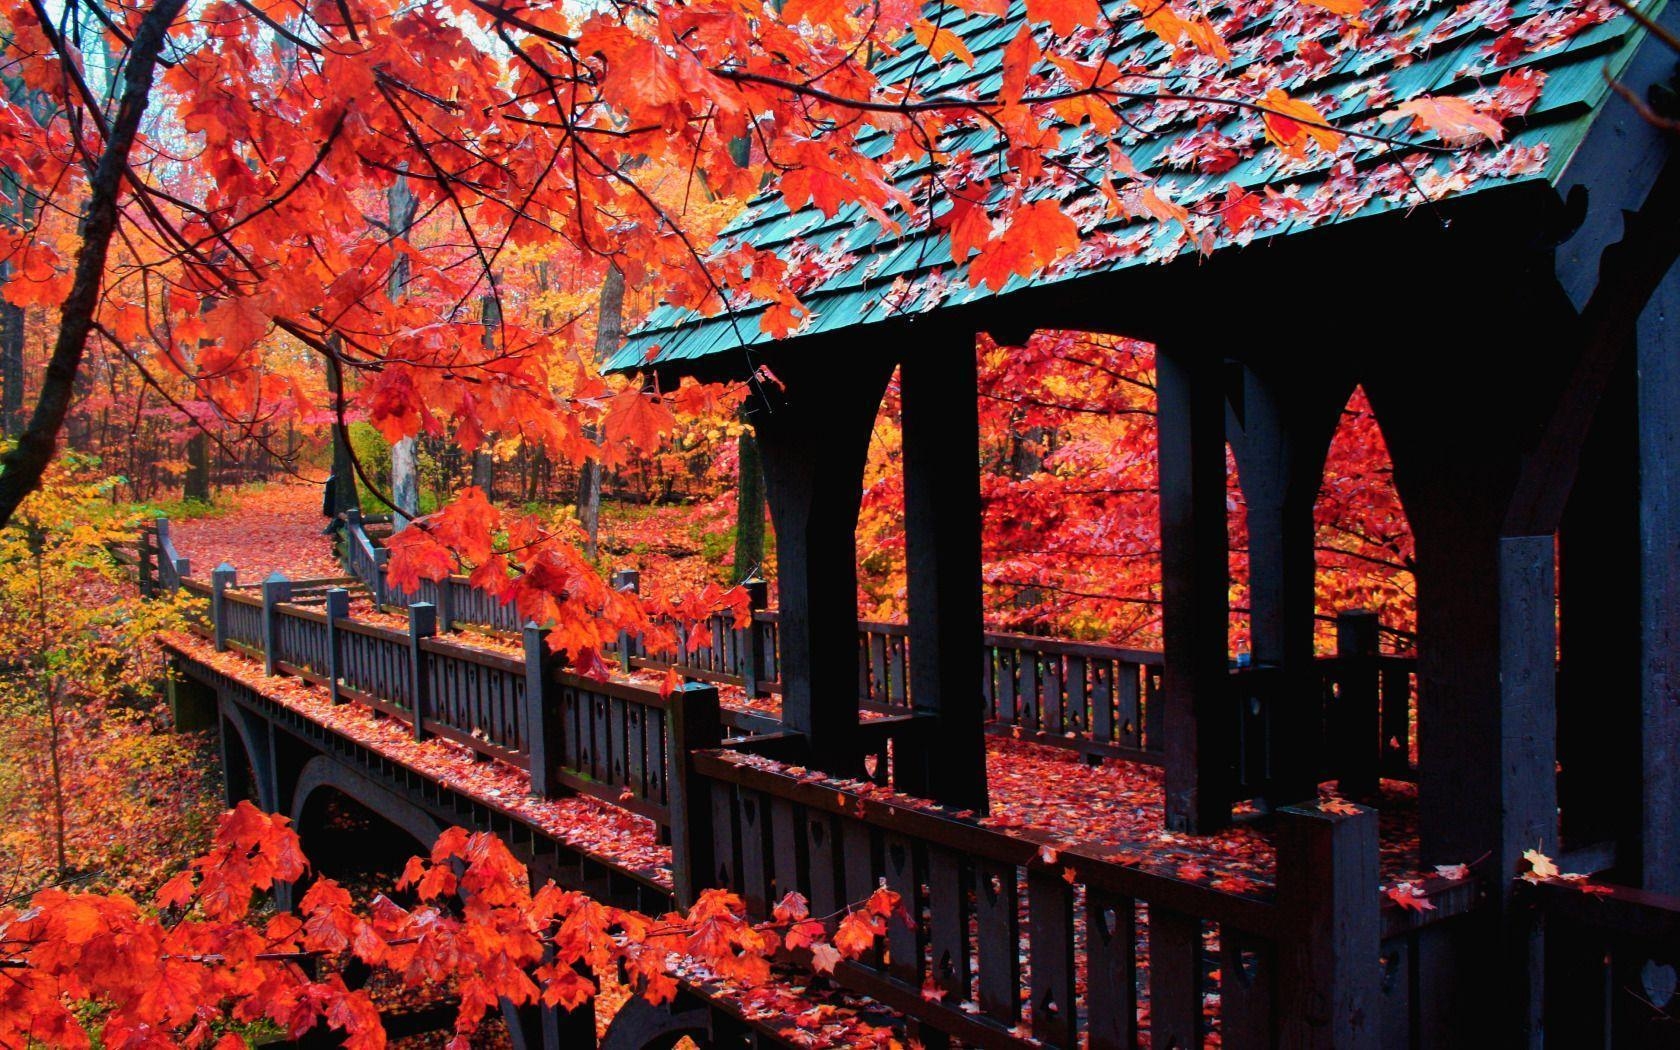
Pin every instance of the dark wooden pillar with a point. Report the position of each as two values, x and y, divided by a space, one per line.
813 437
1658 360
1598 633
938 387
1195 605
1279 435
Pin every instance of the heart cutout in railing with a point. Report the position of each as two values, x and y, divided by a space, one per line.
1659 981
870 764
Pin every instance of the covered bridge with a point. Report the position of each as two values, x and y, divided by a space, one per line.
1512 311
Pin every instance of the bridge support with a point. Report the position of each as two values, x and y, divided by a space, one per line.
942 517
1195 604
1280 429
814 438
1658 361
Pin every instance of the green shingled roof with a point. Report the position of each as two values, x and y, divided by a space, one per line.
860 272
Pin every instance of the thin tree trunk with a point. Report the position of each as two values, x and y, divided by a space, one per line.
405 457
197 485
21 470
484 459
609 332
749 507
344 494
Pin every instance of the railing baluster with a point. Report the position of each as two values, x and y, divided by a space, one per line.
947 883
997 920
1111 970
1055 1017
1175 979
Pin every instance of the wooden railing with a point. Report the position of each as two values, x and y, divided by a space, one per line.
1608 967
158 565
1017 942
618 742
457 601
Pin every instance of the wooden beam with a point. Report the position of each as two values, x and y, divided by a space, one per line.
1658 359
813 435
1279 441
939 389
1195 606
1598 631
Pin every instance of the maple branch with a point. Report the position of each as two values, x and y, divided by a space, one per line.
22 467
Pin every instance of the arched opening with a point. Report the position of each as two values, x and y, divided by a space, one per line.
351 843
1067 448
239 773
1364 554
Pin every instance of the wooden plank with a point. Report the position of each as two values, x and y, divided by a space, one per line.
1078 709
1175 979
1050 695
1130 710
785 844
754 881
1055 1014
948 908
1111 970
860 866
997 942
899 860
822 848
1246 985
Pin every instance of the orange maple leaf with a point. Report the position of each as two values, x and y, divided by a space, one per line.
1291 124
1455 120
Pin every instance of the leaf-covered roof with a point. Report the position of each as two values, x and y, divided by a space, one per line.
1537 65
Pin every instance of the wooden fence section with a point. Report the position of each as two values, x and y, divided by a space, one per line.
1099 700
616 742
1016 944
1610 958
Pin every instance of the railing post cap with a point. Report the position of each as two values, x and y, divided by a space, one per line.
277 577
421 606
1345 811
225 567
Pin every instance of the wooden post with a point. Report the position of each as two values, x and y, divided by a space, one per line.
1280 422
445 590
813 435
223 577
1329 988
626 580
695 725
337 608
1659 547
1195 606
144 551
275 589
542 718
381 589
938 388
165 561
752 651
1357 711
422 624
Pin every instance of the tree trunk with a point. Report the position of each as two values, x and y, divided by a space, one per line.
405 459
11 362
484 459
21 470
197 484
609 332
749 508
344 495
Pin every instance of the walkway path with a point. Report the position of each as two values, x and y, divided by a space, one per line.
258 531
